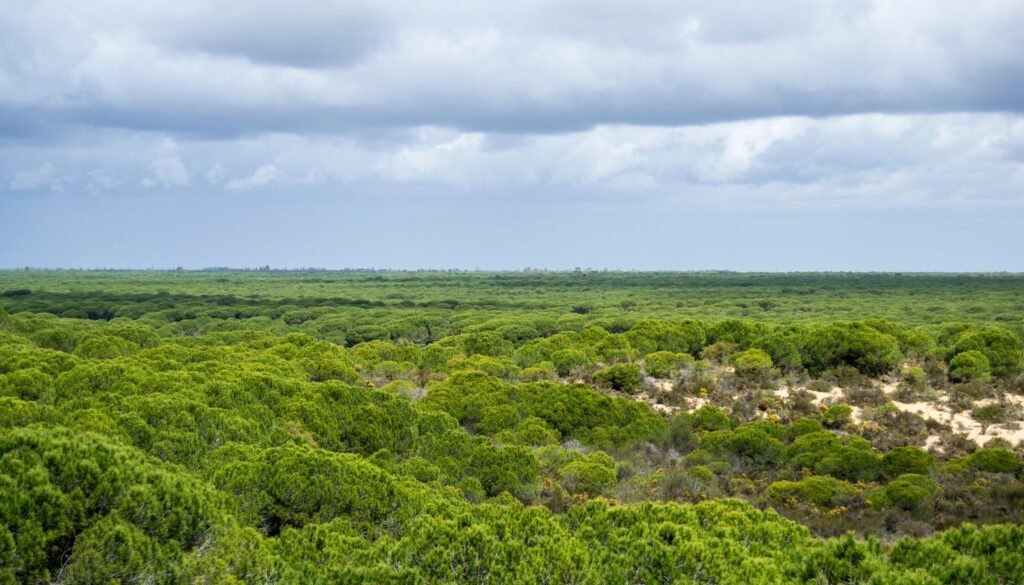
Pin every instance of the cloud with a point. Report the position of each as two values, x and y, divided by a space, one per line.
98 181
300 33
262 176
42 176
858 104
215 174
309 67
857 160
168 171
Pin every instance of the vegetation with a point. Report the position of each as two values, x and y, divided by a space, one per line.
368 427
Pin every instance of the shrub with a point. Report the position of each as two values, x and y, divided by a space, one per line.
54 338
592 475
989 414
664 364
836 416
910 491
846 376
530 431
969 366
517 333
915 376
823 491
648 336
846 457
614 348
753 366
718 352
105 347
709 418
993 460
1003 349
701 473
489 343
541 371
904 460
27 384
494 419
698 457
785 349
866 396
746 442
803 426
623 377
569 362
680 432
854 344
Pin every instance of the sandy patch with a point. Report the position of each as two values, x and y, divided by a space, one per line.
665 409
664 387
667 387
962 423
834 396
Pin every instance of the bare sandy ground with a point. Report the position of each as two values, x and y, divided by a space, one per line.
961 422
834 396
939 410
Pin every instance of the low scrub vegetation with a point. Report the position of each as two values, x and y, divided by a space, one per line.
227 427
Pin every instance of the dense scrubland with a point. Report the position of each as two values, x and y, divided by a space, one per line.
584 427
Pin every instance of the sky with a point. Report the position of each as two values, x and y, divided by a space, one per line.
649 134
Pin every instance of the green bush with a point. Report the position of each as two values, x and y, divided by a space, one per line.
818 490
803 426
649 336
622 377
910 491
530 431
594 474
747 442
709 418
854 344
836 416
105 347
1003 349
904 460
701 473
569 362
845 457
993 460
915 376
665 364
27 384
753 366
989 414
969 366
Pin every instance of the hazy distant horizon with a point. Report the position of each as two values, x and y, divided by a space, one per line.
525 270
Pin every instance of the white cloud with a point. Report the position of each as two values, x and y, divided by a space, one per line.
168 171
39 177
262 176
860 160
98 181
215 174
864 103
